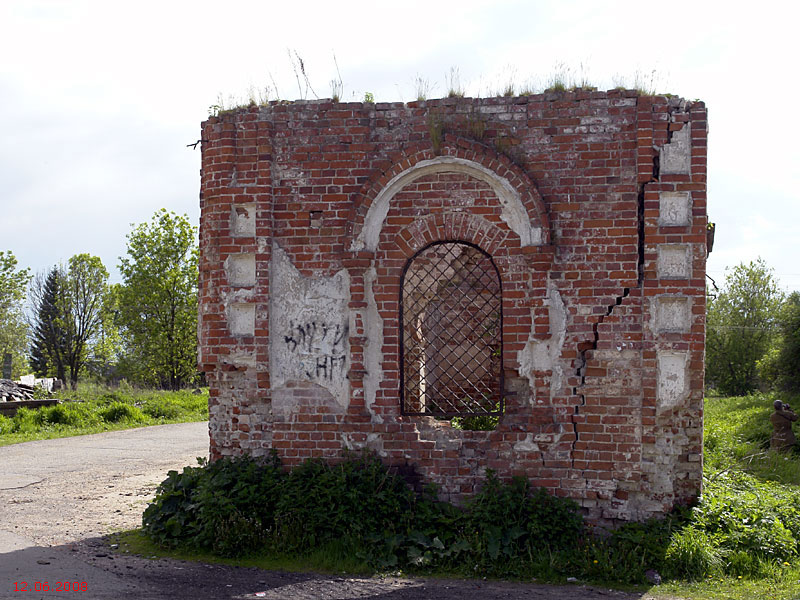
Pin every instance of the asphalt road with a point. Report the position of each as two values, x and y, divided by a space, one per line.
59 497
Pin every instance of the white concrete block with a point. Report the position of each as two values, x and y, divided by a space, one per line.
671 314
242 319
675 208
676 157
243 220
241 269
674 261
673 380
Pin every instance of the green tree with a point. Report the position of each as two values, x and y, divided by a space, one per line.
741 325
158 301
13 327
786 357
69 305
107 348
48 346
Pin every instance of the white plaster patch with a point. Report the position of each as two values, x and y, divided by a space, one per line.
373 442
241 269
513 211
674 261
676 156
538 355
673 380
309 327
243 220
674 208
239 358
373 351
242 318
526 445
671 314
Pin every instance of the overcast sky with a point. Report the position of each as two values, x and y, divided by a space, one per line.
100 98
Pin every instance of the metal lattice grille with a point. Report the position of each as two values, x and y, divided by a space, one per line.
452 342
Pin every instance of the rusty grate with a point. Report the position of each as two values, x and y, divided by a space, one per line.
451 342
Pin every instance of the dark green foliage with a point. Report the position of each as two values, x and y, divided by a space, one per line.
477 423
359 505
506 522
170 520
70 305
226 507
48 349
355 499
741 526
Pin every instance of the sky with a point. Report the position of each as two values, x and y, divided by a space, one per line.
100 98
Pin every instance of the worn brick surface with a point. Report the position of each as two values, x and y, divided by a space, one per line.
310 212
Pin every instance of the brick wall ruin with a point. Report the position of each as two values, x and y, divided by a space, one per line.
590 206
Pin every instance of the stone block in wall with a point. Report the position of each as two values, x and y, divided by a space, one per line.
241 270
242 319
674 261
673 380
243 220
675 209
671 314
676 157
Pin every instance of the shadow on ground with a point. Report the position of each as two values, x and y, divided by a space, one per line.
92 569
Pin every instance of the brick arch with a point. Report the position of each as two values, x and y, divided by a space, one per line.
523 209
501 244
462 226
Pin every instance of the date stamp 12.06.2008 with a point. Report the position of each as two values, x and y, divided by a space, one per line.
45 586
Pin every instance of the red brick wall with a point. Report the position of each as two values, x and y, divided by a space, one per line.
592 206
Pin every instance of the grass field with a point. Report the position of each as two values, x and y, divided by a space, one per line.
93 409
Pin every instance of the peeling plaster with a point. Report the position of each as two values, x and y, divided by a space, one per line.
373 351
309 325
526 445
514 213
543 355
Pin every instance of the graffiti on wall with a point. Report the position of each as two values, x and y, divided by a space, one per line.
317 348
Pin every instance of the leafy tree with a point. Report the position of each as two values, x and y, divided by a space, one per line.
158 301
13 327
69 313
741 324
107 348
786 356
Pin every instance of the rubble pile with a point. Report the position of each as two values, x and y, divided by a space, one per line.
11 390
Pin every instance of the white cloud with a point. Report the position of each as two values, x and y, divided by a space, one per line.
101 98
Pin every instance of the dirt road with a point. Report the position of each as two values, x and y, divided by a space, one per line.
58 497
